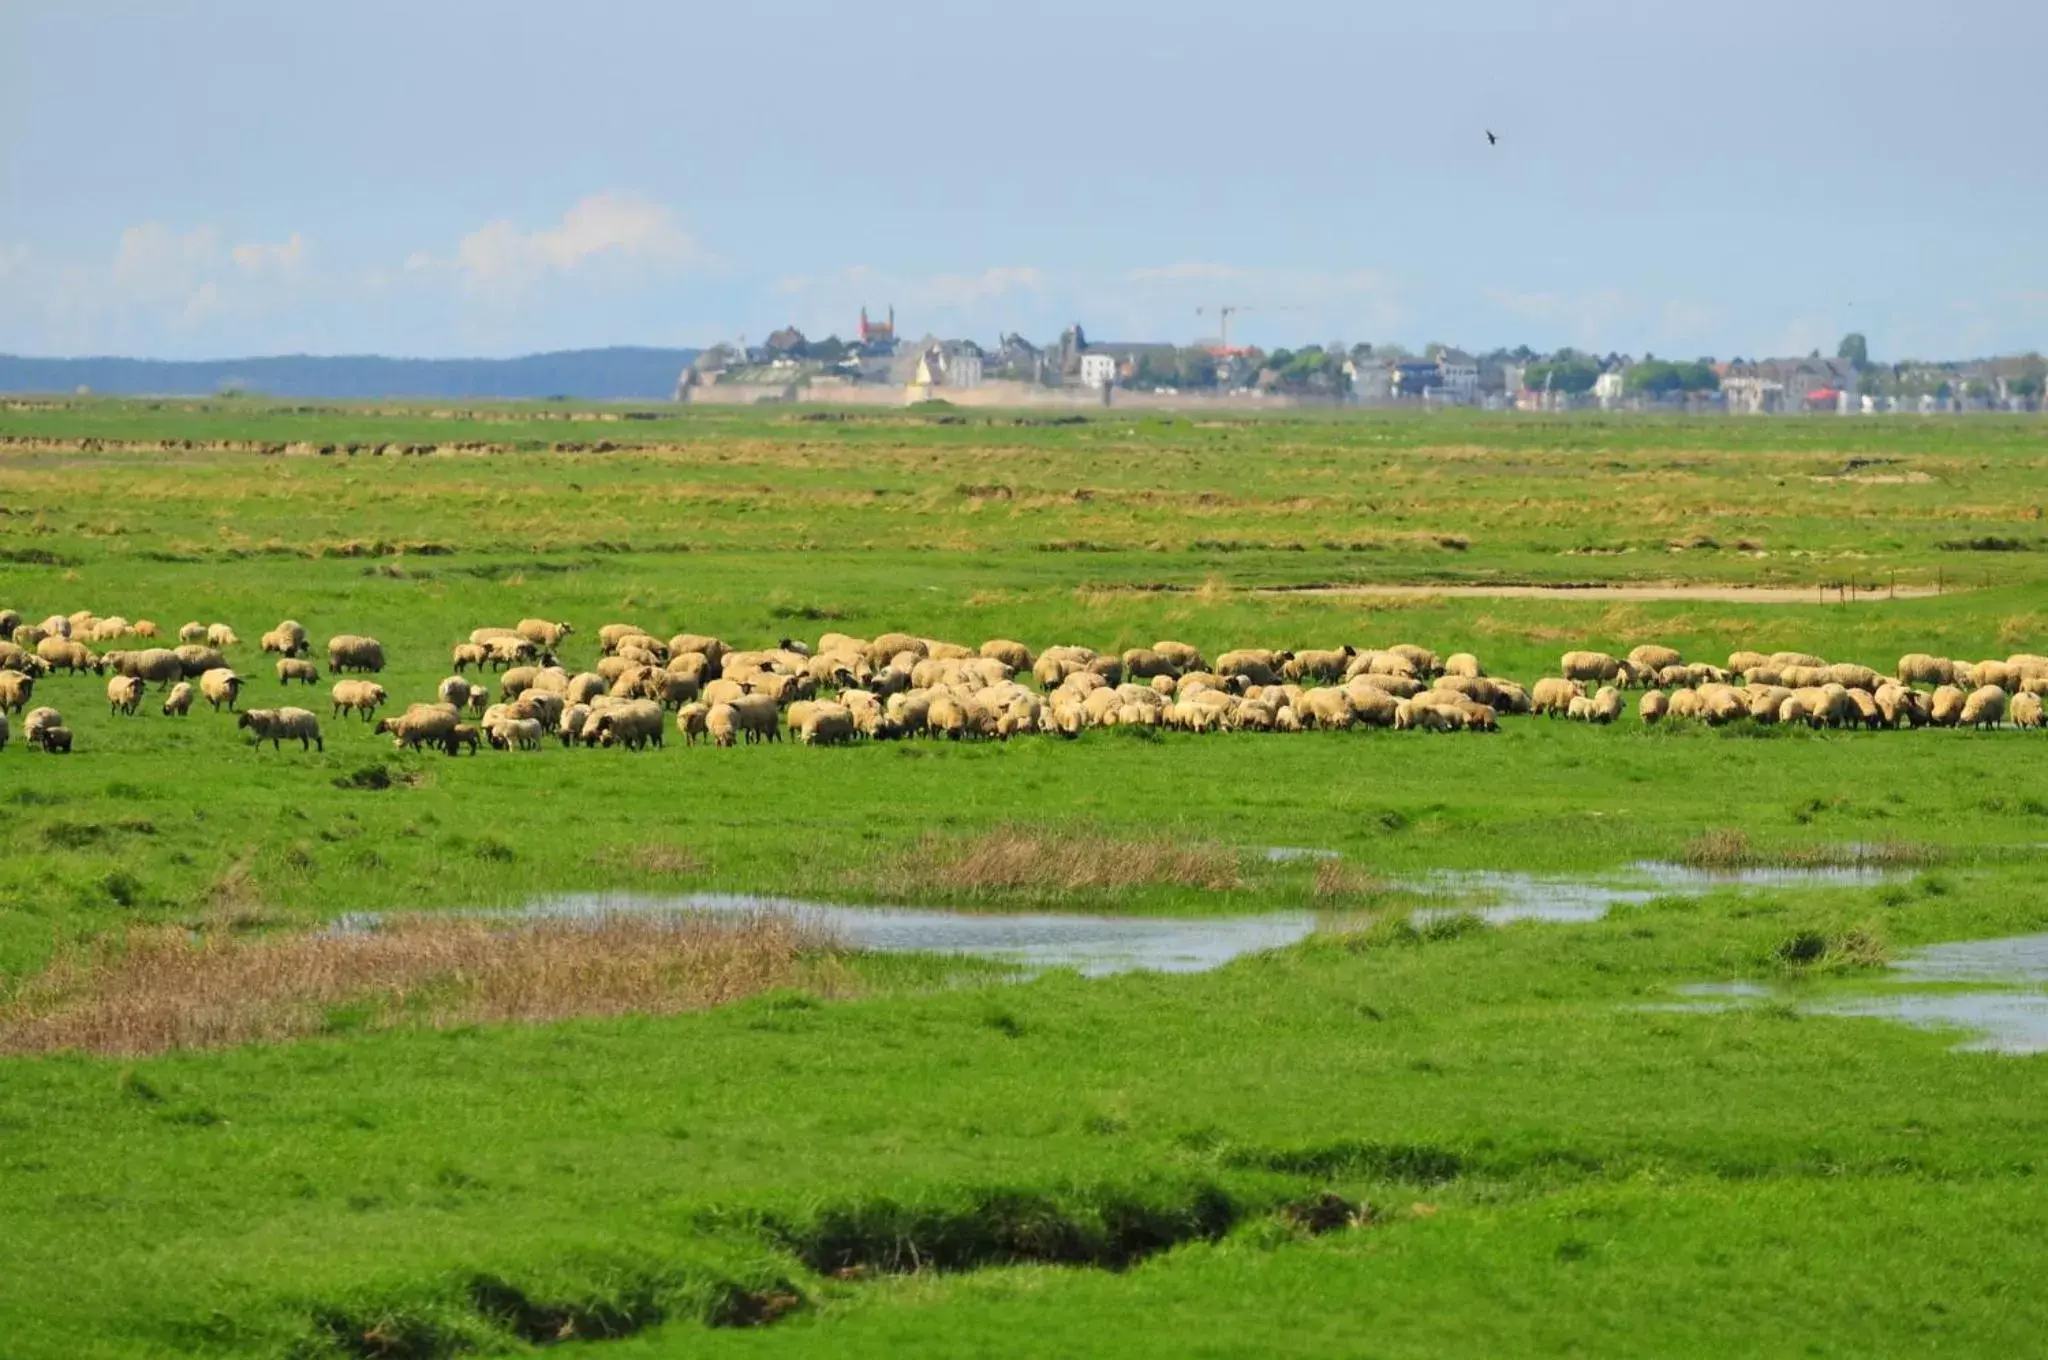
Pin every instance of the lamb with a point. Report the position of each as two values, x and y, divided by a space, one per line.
462 735
1553 695
1607 705
5 731
290 668
1181 654
1985 707
2025 711
632 724
421 724
178 703
1653 705
144 628
348 652
10 619
124 695
55 740
220 686
279 725
523 733
38 721
1462 664
539 704
466 654
194 631
359 696
220 635
287 639
460 693
543 633
15 690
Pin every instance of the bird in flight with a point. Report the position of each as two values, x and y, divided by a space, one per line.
1491 140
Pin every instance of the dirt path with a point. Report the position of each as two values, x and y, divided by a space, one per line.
1649 591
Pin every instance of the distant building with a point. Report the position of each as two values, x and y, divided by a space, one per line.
1608 388
1372 380
1097 369
1416 377
955 364
877 337
1457 376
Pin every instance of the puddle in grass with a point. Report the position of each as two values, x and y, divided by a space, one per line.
1528 897
1100 945
2002 1016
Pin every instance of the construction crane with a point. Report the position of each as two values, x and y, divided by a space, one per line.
1223 312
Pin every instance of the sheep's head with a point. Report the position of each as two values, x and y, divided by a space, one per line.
249 720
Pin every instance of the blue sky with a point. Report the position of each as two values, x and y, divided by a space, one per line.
211 179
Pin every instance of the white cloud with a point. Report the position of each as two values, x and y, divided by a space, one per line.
162 286
1190 269
958 291
256 259
498 260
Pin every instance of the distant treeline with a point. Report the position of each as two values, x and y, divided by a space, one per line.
616 374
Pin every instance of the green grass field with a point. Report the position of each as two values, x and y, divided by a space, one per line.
1384 1140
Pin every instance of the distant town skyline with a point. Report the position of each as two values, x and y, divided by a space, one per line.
470 179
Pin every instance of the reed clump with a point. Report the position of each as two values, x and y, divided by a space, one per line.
155 988
1057 862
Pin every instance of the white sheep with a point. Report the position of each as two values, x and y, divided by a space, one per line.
279 725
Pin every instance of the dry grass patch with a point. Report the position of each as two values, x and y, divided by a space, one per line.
1731 848
1338 882
156 989
1052 863
655 858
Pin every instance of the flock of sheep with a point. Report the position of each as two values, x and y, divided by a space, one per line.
897 685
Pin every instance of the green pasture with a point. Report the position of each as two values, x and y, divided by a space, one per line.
1530 1156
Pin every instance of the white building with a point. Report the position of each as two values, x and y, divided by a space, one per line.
1608 387
1458 376
1098 370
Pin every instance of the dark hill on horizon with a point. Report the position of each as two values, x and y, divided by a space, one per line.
620 373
